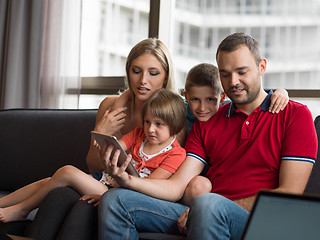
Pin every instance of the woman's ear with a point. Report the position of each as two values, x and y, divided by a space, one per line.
223 97
186 96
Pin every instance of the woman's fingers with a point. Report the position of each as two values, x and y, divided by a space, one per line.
112 121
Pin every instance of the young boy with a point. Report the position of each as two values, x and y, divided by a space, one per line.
204 94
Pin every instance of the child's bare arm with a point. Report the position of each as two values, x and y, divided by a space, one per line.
279 100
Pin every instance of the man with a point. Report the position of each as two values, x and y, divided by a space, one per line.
246 147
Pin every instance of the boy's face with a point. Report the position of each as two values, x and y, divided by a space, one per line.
203 102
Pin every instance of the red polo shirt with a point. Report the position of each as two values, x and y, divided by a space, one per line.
244 152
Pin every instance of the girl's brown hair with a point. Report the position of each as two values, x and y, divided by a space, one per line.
169 107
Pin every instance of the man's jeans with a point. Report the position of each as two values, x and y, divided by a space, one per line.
122 213
215 217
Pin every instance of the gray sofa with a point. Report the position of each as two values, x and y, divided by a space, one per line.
35 143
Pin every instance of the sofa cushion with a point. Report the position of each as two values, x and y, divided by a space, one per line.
35 143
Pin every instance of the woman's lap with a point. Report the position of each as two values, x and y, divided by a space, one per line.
59 214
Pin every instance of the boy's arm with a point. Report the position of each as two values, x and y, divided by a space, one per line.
279 100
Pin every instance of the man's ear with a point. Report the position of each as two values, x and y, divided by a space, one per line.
186 96
262 66
223 97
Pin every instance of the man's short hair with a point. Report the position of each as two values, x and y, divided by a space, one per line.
234 41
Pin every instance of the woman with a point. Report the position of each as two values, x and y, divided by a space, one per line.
148 68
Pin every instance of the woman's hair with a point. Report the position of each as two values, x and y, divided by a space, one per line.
234 41
169 107
161 52
204 75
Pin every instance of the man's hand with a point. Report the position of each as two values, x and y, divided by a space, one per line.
111 165
182 222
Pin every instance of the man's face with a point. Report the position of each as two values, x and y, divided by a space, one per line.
240 76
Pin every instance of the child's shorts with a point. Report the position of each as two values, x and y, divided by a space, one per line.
102 177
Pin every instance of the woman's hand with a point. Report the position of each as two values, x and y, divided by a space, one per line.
279 101
111 165
91 198
112 121
182 222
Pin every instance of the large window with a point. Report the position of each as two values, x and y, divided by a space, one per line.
288 32
109 30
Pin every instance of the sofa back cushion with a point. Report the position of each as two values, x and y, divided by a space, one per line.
313 185
34 143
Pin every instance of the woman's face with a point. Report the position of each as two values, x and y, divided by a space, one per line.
146 75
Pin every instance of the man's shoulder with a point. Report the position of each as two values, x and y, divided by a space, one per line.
296 107
296 112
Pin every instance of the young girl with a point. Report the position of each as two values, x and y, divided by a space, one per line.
155 153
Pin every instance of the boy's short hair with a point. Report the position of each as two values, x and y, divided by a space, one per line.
169 107
204 75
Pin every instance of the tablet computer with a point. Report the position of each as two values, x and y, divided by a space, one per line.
112 140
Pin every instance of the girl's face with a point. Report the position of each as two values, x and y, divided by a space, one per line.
156 130
146 75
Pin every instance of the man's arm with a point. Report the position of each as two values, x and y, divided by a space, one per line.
171 189
293 178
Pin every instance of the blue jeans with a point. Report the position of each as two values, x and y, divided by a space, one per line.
122 213
215 217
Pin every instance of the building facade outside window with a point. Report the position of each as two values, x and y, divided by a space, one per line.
288 32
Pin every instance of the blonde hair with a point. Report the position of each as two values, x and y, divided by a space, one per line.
161 52
169 107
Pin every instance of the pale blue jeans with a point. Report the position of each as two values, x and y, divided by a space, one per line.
123 213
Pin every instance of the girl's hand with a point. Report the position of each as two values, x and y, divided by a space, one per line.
279 101
182 222
112 121
111 165
91 198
